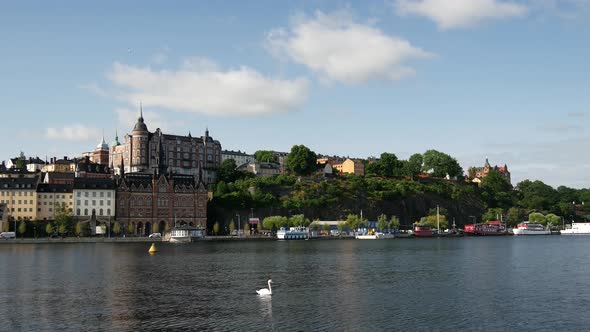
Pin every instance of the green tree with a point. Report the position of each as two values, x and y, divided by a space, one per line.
413 166
433 222
275 222
232 226
299 220
49 229
22 227
247 229
131 229
21 162
116 228
259 227
394 222
553 219
536 195
216 228
537 217
492 214
353 221
441 164
499 191
62 229
341 226
79 228
227 171
266 156
514 216
6 226
63 219
301 160
382 222
326 227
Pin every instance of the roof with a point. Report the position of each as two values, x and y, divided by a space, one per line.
94 183
19 182
61 175
55 188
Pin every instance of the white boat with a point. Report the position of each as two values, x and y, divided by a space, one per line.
186 234
375 236
578 228
527 228
293 233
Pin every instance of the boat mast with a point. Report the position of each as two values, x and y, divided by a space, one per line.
438 219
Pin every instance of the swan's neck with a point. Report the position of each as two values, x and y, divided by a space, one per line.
269 288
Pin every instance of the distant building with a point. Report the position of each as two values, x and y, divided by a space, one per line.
52 197
344 165
477 174
94 197
261 169
32 164
238 156
18 192
144 151
60 165
145 200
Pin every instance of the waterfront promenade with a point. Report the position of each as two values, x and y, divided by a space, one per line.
125 239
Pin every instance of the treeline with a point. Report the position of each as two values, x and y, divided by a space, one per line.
392 188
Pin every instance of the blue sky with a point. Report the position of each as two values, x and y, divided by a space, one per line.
502 79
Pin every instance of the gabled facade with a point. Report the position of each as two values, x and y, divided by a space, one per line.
52 197
152 202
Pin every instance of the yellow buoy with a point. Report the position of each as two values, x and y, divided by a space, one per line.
153 249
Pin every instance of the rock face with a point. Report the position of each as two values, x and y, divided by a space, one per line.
335 199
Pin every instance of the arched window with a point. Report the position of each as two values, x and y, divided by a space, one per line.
77 212
85 212
100 212
108 212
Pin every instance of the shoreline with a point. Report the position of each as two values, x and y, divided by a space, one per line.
143 239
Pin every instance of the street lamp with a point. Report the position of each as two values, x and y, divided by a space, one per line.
239 226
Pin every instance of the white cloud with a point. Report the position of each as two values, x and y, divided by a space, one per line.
343 50
74 132
449 14
200 86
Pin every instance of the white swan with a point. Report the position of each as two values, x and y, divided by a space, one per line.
265 291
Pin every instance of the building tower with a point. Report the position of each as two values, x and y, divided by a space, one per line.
101 153
139 158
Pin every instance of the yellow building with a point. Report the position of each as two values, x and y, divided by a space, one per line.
349 166
62 165
18 193
50 197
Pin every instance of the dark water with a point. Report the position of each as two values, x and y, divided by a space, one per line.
488 284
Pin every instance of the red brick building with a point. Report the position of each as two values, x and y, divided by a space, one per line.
145 200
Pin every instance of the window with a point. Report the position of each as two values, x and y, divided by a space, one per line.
101 194
101 202
86 194
78 194
94 194
31 201
50 210
78 202
77 212
19 201
85 212
100 212
109 194
86 202
93 202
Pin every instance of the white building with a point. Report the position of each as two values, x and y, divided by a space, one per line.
94 197
238 156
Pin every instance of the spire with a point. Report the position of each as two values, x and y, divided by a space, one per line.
206 131
140 110
122 172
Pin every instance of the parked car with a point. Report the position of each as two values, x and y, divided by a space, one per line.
155 236
7 235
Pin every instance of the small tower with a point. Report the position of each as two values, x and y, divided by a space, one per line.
139 145
101 153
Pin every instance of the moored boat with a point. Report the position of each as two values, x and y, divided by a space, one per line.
527 228
423 231
375 236
293 233
488 228
186 234
578 228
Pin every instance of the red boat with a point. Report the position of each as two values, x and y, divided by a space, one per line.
488 228
423 231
